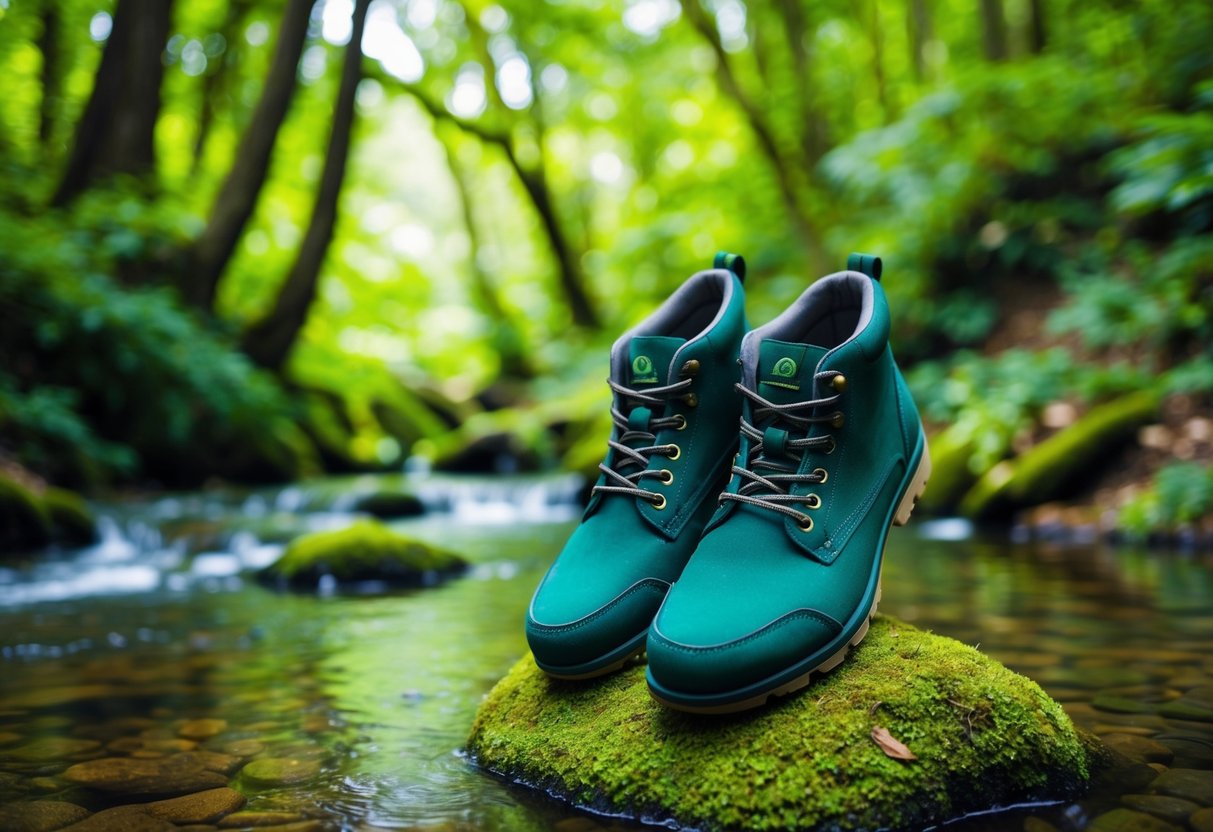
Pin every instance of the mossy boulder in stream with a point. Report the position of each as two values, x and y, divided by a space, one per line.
367 551
23 517
982 736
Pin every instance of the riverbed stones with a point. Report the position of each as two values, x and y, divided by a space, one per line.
1128 820
202 729
1171 809
124 818
199 807
249 820
280 771
1202 821
1187 783
1139 749
242 748
49 749
983 736
178 774
40 815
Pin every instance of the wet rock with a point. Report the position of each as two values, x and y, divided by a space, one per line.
23 517
1188 783
1122 704
242 820
299 826
1186 709
1038 825
1191 749
200 807
202 729
367 551
1172 809
609 745
389 504
1138 749
214 761
1202 821
40 816
72 522
242 748
279 771
8 738
123 775
122 819
51 748
1127 820
130 745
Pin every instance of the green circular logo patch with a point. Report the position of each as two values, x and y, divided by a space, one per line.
642 365
784 368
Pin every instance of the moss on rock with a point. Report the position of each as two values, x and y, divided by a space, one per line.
365 551
24 521
72 521
983 735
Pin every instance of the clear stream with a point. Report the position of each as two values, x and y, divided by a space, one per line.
117 645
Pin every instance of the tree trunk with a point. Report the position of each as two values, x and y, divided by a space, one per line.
507 336
876 27
920 29
994 30
116 133
215 81
1038 29
269 341
238 196
49 45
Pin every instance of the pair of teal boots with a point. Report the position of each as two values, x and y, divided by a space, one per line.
742 561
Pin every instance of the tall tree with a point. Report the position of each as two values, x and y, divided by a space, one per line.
50 45
116 133
214 81
238 195
920 28
994 30
268 342
1037 30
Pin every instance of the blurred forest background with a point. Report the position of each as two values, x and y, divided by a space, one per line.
257 240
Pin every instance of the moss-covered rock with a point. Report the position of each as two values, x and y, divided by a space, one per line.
365 551
72 521
983 737
24 521
389 503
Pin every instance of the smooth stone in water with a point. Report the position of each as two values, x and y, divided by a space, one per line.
1126 820
1202 821
40 816
52 748
202 729
200 807
8 738
1138 749
275 771
1185 709
214 761
122 819
241 820
243 748
123 775
1122 704
1171 809
1188 783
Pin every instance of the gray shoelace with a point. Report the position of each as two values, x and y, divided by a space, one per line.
627 456
771 491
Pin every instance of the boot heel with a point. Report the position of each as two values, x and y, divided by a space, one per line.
917 485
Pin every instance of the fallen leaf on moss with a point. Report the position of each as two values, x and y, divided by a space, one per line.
890 745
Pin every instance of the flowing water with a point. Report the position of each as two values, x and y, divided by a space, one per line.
155 644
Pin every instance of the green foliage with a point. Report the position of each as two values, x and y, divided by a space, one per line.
1181 493
95 365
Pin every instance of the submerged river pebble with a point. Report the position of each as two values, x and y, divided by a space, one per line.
199 700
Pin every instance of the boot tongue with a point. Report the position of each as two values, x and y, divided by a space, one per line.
649 358
785 370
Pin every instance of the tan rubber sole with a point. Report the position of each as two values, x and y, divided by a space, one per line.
918 484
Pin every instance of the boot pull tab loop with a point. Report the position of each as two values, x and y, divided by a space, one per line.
869 264
733 262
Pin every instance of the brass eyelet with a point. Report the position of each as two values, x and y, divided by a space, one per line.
806 527
667 476
812 501
691 400
833 445
690 368
659 503
839 382
682 422
677 452
837 419
823 473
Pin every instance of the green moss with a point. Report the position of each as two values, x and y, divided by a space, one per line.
365 551
984 736
71 519
24 521
1045 471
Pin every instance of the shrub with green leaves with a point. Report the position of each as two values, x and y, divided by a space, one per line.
1181 493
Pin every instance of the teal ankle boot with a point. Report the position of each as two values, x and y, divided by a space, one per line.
832 453
675 412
